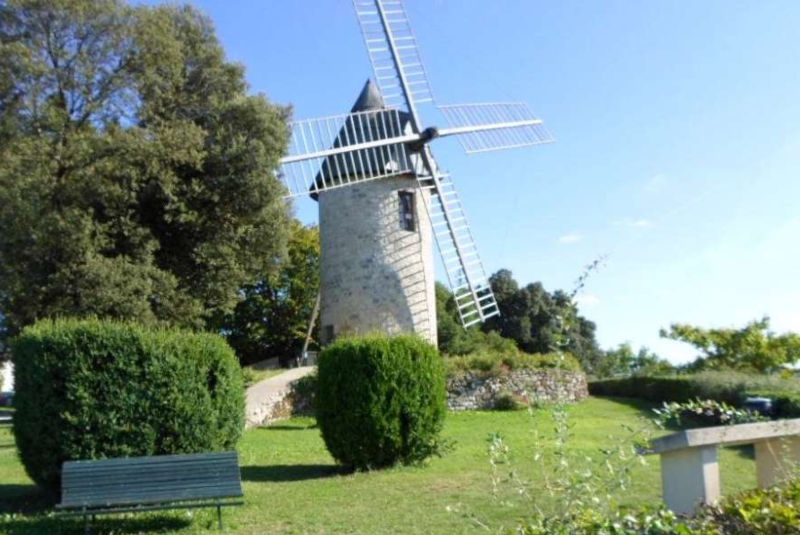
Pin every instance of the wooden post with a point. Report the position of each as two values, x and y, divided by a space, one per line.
311 323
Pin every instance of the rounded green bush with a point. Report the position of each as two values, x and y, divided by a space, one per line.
380 400
92 389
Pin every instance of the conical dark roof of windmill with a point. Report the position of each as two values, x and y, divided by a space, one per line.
375 122
369 99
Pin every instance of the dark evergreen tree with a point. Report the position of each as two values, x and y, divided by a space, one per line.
541 322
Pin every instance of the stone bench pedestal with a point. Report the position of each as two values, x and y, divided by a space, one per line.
776 459
690 460
690 477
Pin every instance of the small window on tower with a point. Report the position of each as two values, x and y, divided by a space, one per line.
407 210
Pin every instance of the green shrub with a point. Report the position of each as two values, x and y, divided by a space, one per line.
490 362
785 405
99 389
249 376
722 386
704 413
774 511
507 401
304 394
380 400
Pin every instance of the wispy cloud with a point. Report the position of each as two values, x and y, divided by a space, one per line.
572 237
641 223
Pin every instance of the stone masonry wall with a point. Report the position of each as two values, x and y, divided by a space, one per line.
470 391
375 276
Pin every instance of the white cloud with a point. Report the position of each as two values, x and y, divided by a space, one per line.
572 237
641 223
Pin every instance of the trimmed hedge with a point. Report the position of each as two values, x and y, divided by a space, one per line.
380 400
724 386
92 389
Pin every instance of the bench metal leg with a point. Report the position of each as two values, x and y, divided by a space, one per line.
219 516
690 477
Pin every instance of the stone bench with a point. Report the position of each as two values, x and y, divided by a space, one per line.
690 462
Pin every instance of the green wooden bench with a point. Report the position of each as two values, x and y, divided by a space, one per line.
135 484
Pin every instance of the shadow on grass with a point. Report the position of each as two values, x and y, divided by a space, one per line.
284 427
746 451
24 499
37 525
291 472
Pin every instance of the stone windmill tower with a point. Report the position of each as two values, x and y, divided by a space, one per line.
382 197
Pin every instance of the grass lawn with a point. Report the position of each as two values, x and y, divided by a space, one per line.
257 374
292 485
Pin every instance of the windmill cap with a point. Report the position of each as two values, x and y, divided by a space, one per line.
369 99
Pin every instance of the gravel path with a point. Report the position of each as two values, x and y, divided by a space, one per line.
264 396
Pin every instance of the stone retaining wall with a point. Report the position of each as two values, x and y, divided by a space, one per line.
471 390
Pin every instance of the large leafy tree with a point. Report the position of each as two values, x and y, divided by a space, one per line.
273 317
135 170
752 348
540 321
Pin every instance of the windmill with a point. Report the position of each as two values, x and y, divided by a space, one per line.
382 195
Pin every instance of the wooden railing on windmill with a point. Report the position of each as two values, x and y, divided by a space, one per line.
388 140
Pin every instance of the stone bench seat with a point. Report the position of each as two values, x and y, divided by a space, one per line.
690 460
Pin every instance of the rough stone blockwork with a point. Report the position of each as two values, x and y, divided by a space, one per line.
277 398
471 391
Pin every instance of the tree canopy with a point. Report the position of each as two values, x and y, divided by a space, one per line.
272 318
536 320
136 173
751 348
540 321
623 360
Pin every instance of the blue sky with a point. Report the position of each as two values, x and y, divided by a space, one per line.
677 153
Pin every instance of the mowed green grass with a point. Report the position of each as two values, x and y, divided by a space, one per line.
292 485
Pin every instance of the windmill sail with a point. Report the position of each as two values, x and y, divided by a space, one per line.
393 53
494 126
332 152
465 274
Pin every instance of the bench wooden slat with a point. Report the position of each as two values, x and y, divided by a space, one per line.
150 480
159 507
120 479
112 493
145 499
143 487
172 459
